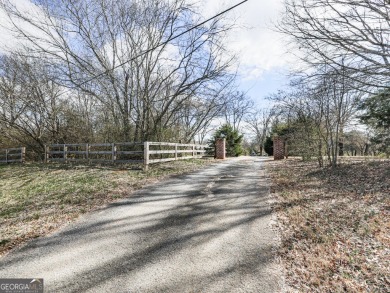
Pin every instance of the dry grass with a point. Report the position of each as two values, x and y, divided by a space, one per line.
37 199
335 225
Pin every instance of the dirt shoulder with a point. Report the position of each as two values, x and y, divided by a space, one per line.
335 225
37 199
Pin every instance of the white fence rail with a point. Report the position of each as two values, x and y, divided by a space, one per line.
15 155
157 152
146 152
103 152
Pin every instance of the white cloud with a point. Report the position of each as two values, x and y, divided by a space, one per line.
259 48
8 39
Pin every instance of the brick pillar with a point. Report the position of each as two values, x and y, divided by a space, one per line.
220 148
278 148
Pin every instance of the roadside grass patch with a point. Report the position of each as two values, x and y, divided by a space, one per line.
335 224
36 199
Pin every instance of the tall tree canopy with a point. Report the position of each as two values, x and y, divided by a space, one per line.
135 58
354 35
377 110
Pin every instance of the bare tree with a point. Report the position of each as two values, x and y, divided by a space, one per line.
237 106
356 143
32 111
116 52
260 121
317 110
342 33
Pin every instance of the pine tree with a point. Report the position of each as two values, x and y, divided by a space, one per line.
233 140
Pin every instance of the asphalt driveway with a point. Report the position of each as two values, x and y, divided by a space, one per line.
209 231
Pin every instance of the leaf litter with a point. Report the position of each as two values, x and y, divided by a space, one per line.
335 224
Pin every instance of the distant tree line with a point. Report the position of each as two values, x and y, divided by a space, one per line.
342 79
103 71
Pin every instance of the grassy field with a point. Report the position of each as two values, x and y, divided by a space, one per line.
36 199
335 225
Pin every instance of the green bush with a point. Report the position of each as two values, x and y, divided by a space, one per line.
233 140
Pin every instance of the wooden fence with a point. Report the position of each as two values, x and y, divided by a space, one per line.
114 152
146 152
15 155
157 152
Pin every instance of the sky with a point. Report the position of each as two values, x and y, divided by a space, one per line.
261 51
264 62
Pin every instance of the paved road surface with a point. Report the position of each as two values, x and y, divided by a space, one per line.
204 232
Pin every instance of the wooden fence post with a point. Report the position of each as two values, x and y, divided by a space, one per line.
146 155
48 154
175 151
45 157
6 156
87 152
193 151
113 152
23 155
65 153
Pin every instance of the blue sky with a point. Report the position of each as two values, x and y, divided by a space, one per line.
264 62
258 89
